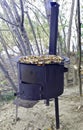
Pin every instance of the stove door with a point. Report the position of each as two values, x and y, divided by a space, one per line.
30 91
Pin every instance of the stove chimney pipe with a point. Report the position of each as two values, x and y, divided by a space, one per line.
53 28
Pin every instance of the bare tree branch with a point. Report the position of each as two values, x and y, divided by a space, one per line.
33 33
5 20
37 9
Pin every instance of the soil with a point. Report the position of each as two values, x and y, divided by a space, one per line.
42 117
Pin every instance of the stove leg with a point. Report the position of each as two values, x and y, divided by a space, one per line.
17 111
47 102
57 113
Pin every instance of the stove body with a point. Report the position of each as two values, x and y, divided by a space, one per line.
40 82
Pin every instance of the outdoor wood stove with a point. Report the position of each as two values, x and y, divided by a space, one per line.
45 81
40 81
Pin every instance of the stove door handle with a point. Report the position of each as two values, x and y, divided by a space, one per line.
65 69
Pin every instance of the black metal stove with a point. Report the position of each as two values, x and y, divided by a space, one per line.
47 81
40 82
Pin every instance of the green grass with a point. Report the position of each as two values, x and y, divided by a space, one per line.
6 97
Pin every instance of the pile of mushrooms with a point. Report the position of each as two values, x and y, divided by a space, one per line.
41 60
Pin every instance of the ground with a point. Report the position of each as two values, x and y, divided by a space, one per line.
42 117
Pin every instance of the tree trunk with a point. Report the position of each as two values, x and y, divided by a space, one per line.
48 9
70 27
8 76
69 35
